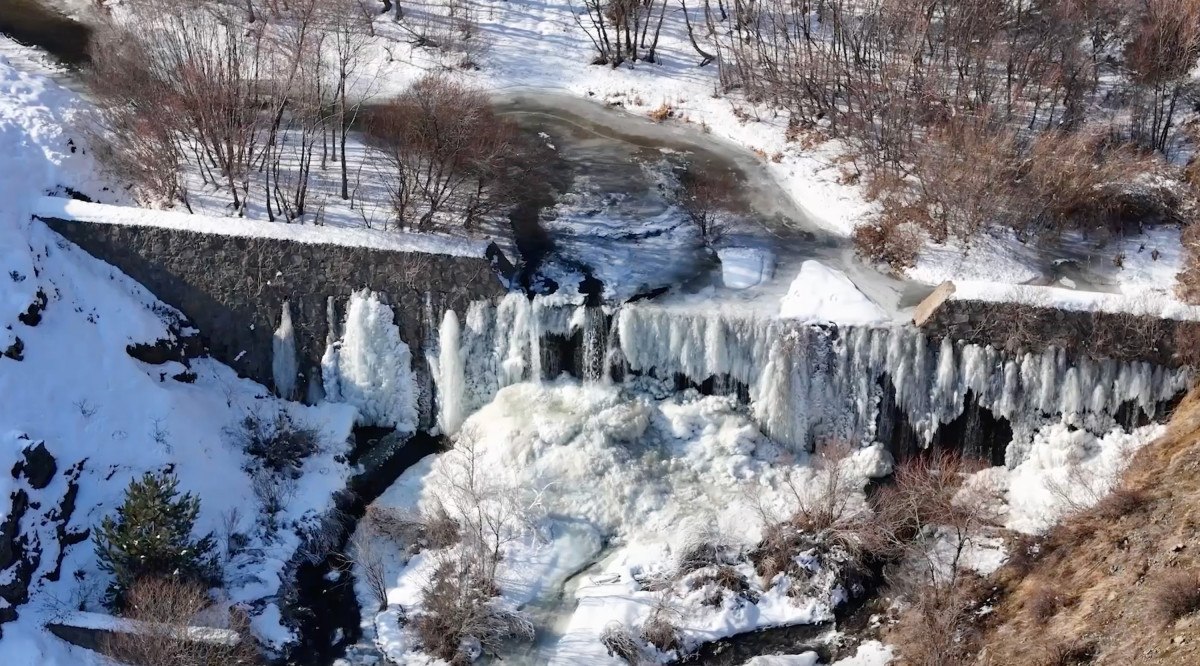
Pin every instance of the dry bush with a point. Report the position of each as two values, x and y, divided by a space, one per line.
892 240
1085 181
458 611
447 152
938 628
280 444
1073 653
661 633
414 531
164 610
1119 502
1173 594
1024 550
1187 288
724 579
1185 339
663 112
1043 602
620 643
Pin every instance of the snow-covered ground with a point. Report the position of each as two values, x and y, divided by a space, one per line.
112 417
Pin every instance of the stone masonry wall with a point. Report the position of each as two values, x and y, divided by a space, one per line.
233 289
1017 327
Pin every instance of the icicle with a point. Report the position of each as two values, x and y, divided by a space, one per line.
371 366
284 366
450 375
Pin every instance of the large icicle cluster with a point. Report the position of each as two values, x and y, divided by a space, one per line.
805 382
810 381
371 366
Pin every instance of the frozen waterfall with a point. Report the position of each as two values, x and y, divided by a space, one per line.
803 382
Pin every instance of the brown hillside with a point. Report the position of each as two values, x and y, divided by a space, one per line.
1119 583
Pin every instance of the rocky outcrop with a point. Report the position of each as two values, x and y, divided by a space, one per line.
37 524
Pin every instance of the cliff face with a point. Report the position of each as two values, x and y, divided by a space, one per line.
235 289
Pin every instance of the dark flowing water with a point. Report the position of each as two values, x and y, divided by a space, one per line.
32 23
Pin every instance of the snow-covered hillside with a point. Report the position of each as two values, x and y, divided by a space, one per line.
68 383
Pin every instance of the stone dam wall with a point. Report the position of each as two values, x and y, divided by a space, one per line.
234 289
1021 327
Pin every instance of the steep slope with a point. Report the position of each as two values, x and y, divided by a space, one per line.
80 416
1117 583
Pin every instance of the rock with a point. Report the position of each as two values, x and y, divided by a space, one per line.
928 307
162 351
33 314
37 466
15 351
10 549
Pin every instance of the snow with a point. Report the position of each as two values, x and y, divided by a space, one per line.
1146 303
745 267
1065 470
93 405
820 293
378 239
371 366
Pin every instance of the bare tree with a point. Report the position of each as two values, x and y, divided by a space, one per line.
447 151
1161 55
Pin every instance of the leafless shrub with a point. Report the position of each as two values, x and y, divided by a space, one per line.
1043 602
163 610
702 197
1173 594
1164 48
827 520
621 644
927 502
459 618
446 150
368 562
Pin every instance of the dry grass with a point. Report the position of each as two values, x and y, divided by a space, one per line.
663 112
1173 594
1123 571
